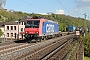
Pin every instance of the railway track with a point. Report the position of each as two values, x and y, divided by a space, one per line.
39 50
47 52
11 48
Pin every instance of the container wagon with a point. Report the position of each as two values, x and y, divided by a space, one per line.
71 28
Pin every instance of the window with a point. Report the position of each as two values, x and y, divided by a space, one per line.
7 27
15 35
11 27
21 29
14 27
32 24
11 34
7 34
22 23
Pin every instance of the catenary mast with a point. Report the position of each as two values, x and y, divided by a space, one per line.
2 2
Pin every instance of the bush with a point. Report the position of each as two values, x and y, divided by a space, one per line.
86 58
1 33
86 41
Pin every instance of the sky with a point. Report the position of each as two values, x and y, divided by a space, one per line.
75 8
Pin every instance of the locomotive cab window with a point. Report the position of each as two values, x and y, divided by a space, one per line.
32 24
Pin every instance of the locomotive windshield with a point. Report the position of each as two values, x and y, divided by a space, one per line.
32 24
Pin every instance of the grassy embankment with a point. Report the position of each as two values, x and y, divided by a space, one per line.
86 58
86 42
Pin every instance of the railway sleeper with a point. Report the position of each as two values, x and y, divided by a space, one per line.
50 48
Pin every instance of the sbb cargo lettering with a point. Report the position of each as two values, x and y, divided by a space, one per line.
49 28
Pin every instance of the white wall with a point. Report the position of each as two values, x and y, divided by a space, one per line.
13 31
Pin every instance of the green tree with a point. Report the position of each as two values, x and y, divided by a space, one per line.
86 41
1 32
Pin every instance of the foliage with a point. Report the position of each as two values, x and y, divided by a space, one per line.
63 20
0 33
9 15
86 41
86 58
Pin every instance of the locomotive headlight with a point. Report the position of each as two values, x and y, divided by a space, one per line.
26 32
37 32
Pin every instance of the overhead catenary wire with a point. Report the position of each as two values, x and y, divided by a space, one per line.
32 5
63 5
41 8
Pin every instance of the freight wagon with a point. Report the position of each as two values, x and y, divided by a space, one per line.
71 28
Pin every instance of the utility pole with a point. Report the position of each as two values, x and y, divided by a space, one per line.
88 25
85 25
18 21
85 19
2 2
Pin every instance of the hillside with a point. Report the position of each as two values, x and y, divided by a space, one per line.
63 20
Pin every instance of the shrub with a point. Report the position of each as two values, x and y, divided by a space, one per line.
1 33
86 41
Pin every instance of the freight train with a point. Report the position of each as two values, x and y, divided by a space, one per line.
71 28
41 29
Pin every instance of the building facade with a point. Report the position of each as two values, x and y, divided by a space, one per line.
13 30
